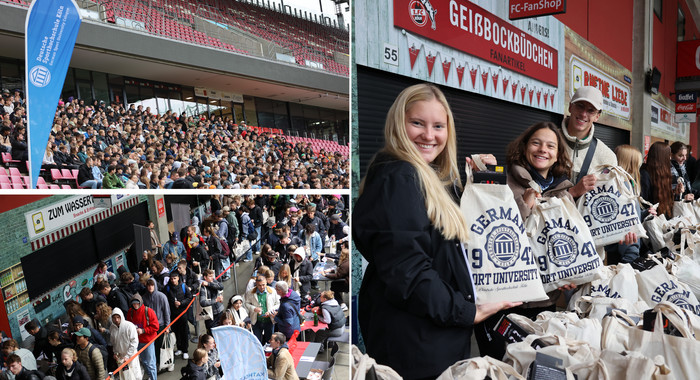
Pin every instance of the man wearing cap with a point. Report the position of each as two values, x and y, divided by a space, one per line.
90 357
95 337
585 108
147 326
174 246
337 229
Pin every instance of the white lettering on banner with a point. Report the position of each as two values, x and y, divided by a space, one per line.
482 26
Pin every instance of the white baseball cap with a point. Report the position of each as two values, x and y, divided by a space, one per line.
588 94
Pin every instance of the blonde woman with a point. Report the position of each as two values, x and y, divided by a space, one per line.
630 159
416 299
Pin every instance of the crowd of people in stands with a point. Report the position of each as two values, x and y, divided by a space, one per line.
132 147
124 311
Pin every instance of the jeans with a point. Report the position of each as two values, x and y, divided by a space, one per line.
257 243
249 252
148 359
263 330
94 184
225 262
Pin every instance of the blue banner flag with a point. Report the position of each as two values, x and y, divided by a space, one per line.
50 29
242 356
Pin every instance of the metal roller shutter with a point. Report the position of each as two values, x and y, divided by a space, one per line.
484 124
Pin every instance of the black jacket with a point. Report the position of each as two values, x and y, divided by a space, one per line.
416 307
79 373
193 372
175 293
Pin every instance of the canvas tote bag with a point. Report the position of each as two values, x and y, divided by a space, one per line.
628 365
681 353
500 257
610 209
657 285
562 244
521 354
480 368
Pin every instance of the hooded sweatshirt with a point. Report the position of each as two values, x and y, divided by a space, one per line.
125 340
158 302
144 318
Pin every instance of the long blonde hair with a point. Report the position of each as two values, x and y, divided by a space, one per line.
435 177
630 159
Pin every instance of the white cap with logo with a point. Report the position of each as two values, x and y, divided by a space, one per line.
588 94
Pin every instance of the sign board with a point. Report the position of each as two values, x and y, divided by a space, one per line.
688 59
686 117
664 125
616 94
471 29
518 9
161 207
69 210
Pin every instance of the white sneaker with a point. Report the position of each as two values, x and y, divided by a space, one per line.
185 356
171 368
178 353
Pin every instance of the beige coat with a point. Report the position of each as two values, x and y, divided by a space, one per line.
281 367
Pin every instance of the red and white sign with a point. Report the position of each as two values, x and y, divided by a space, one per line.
688 59
616 94
647 144
161 207
686 107
518 9
471 29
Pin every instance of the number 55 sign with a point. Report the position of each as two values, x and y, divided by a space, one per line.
391 54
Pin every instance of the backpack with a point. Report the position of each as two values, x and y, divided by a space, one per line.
252 234
103 351
232 234
225 250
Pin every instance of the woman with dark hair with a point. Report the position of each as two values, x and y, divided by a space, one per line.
679 174
655 178
539 155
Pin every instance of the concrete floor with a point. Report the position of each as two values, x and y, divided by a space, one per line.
244 270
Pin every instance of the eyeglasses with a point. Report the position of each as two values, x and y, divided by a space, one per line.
582 108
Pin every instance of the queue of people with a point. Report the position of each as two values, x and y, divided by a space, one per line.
408 225
124 311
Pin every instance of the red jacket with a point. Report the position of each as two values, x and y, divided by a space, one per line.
147 322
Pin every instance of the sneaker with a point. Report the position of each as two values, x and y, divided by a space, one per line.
185 356
171 368
178 352
343 306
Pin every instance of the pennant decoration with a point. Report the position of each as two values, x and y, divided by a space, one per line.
551 98
522 94
446 68
414 47
514 86
460 74
495 81
472 73
430 60
485 78
530 92
539 92
546 95
505 85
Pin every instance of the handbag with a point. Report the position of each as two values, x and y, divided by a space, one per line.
203 313
562 244
501 261
610 209
681 353
480 368
167 356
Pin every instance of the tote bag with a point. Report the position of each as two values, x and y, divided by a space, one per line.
500 257
167 357
685 209
610 209
202 313
562 244
521 354
681 353
657 285
480 368
628 365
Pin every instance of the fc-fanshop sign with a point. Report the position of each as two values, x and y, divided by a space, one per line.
518 9
469 28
